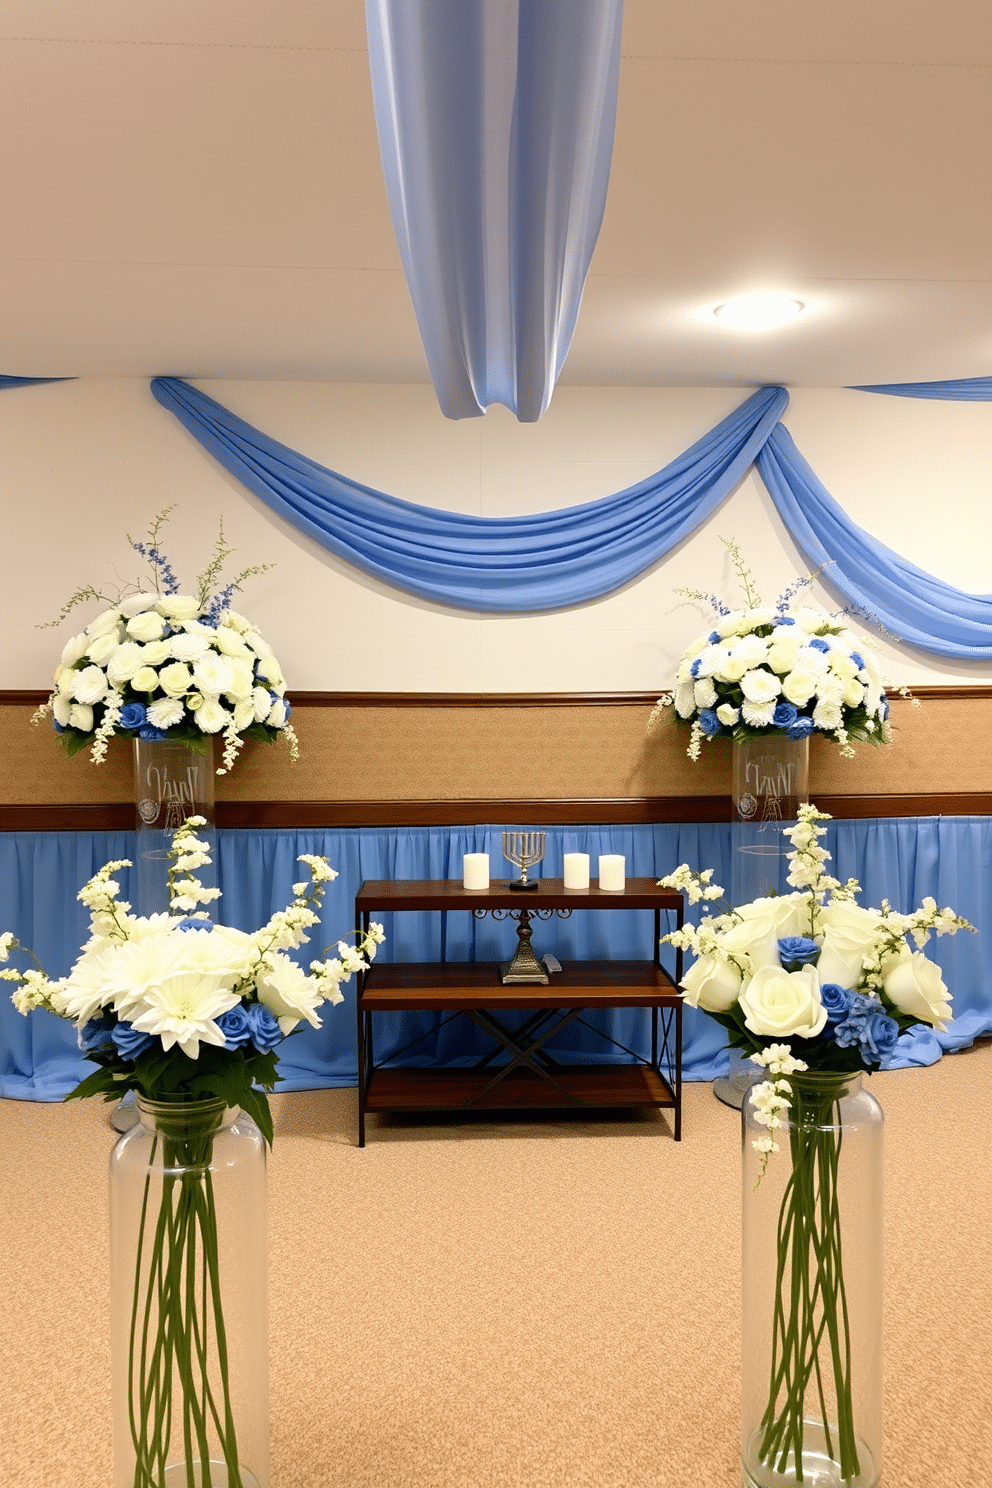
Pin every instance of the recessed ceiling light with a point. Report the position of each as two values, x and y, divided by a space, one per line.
758 312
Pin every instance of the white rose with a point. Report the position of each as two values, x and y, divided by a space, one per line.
854 694
915 986
240 686
849 932
732 670
843 665
711 984
62 710
262 699
788 912
244 714
757 937
760 686
90 685
126 660
811 620
103 624
685 699
145 679
277 714
147 626
779 1004
229 643
133 604
782 654
750 648
210 717
175 680
258 645
704 693
186 647
81 717
799 687
74 649
65 680
728 714
155 653
103 648
270 671
178 606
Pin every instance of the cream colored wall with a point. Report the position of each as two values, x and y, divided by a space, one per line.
84 462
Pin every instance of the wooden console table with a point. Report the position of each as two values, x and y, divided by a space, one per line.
528 1076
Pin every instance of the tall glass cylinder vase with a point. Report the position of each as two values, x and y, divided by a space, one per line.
189 1327
173 780
811 1364
770 781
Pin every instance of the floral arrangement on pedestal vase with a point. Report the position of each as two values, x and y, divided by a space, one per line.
190 1016
816 989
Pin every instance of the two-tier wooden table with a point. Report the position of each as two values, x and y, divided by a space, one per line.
519 1073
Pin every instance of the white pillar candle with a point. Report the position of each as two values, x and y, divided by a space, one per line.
576 870
611 872
475 867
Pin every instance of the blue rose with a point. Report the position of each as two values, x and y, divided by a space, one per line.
858 660
878 1037
96 1034
708 722
235 1027
817 643
800 728
837 1001
149 731
785 715
796 951
133 715
264 1026
130 1041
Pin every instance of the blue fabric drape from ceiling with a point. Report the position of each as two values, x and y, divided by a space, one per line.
515 564
496 131
9 382
903 860
909 602
958 390
559 558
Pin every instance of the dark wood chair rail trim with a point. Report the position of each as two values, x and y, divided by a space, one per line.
119 815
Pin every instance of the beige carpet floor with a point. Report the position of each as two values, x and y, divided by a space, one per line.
531 1303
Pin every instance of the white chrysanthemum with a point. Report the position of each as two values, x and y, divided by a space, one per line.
211 717
182 1009
262 699
146 626
104 623
759 686
74 649
288 992
711 659
854 694
178 606
90 684
704 693
188 647
758 715
812 659
165 713
125 661
827 714
222 951
244 714
782 653
91 984
212 674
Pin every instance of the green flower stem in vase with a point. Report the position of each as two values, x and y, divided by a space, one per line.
812 1290
189 1299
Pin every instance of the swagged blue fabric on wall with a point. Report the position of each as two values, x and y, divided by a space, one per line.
515 564
559 558
903 860
12 382
496 128
958 390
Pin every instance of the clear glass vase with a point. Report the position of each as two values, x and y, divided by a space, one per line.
189 1324
811 1326
173 780
770 781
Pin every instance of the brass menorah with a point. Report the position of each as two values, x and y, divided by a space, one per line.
523 849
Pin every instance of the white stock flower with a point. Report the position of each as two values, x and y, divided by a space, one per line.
711 984
90 684
211 717
178 606
146 626
126 660
288 992
915 986
175 679
165 713
777 1003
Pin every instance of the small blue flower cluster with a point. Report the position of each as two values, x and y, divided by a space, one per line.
220 602
157 559
856 1018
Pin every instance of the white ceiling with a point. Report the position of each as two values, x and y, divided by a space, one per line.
193 187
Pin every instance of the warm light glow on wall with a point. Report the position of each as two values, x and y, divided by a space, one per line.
759 311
